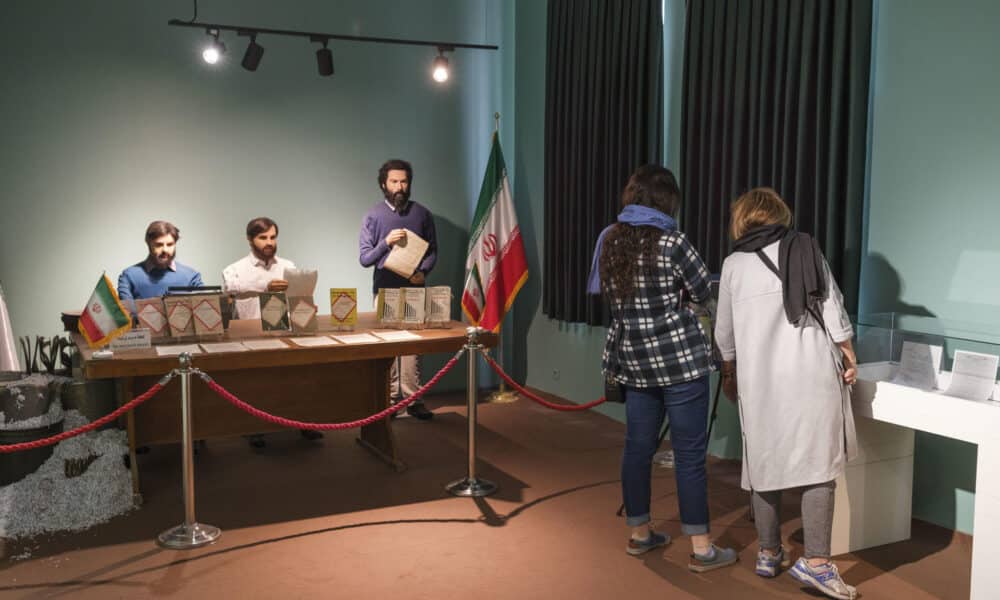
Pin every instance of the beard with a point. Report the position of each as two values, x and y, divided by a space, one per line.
398 199
163 259
265 253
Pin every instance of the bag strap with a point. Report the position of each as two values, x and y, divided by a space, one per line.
770 265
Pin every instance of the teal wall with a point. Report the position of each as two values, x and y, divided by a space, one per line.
111 120
933 205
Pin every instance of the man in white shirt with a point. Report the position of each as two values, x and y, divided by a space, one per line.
260 271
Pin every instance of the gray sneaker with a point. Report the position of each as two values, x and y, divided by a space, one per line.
715 559
655 540
825 578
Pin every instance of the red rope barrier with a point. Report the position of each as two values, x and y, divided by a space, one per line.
536 398
124 408
265 416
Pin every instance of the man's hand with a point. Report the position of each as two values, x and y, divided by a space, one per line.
395 236
277 285
417 278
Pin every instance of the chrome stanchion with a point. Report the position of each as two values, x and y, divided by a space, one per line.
472 485
190 534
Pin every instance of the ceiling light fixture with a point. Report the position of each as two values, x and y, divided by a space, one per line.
324 57
251 58
440 70
215 49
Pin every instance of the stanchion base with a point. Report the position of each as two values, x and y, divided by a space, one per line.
475 488
185 537
502 397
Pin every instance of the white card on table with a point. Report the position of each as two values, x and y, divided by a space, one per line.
918 366
265 344
177 350
973 375
224 347
397 336
357 338
311 342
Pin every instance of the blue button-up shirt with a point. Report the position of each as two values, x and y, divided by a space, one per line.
144 280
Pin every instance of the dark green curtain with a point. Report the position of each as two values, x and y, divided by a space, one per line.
603 118
776 94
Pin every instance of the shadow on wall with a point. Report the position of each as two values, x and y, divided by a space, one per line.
883 289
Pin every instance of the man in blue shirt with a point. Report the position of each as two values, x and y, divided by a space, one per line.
384 226
152 277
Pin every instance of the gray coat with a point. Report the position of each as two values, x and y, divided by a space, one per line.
798 428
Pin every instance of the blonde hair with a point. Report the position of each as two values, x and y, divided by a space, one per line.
758 207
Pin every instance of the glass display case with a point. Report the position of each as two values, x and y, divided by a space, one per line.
908 350
923 374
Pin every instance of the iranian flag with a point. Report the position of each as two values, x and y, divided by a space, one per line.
496 267
105 318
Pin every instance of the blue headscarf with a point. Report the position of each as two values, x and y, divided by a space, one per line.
636 216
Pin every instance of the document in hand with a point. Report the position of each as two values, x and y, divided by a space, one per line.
406 254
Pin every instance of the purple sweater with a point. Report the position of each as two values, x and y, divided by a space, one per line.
380 220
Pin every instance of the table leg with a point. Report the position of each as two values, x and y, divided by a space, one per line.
378 437
125 393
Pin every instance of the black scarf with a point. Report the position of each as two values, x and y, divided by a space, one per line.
800 266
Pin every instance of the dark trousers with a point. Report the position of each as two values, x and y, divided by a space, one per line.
686 404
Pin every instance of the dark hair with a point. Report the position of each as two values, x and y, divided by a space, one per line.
626 247
158 229
394 164
259 225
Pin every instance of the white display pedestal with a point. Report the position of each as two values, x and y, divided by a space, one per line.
861 517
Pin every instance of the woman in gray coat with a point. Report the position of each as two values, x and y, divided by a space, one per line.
785 341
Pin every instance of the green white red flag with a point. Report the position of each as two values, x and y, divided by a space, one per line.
104 318
496 267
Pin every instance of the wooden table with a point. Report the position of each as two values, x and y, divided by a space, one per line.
326 384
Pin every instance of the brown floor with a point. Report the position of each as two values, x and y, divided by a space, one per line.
328 520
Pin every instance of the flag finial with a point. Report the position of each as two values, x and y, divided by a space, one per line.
496 125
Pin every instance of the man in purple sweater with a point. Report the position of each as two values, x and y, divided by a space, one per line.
385 225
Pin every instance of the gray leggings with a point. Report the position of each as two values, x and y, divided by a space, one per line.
817 518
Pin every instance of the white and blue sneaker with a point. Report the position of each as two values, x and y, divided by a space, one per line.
768 564
825 578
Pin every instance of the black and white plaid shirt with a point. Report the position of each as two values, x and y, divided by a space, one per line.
654 338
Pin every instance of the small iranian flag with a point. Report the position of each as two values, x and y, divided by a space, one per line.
496 268
105 318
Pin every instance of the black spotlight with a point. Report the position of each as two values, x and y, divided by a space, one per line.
324 60
251 58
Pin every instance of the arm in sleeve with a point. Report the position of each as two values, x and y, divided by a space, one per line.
196 280
725 336
834 315
430 234
125 292
690 269
372 248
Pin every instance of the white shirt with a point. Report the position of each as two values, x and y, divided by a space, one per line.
248 277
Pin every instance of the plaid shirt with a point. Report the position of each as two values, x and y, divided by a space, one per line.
654 338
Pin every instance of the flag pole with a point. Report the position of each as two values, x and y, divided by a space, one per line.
502 395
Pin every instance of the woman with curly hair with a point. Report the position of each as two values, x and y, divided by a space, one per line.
658 352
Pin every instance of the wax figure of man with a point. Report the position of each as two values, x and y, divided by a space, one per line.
262 270
160 270
384 226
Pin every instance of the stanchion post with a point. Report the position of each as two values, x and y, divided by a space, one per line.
190 534
472 485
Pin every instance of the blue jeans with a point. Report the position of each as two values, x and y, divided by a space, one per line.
687 406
